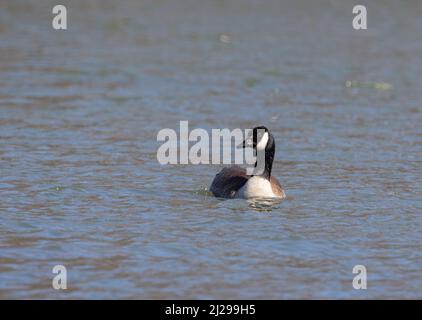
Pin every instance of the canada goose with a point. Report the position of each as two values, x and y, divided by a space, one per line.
233 182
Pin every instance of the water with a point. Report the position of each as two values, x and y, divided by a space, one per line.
80 184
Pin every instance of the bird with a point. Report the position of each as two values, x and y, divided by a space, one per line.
234 182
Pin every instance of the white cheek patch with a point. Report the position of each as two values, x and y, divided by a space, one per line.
263 142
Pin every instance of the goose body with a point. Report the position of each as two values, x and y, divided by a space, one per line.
258 187
233 182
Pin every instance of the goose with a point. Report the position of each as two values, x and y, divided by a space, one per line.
233 182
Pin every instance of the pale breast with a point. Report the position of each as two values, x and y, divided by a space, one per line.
256 187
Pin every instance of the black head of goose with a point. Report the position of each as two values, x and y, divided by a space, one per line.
234 182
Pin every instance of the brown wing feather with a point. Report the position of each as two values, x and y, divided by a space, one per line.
228 181
277 188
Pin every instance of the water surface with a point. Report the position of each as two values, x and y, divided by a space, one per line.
80 184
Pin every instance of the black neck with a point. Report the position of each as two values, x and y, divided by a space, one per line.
269 157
